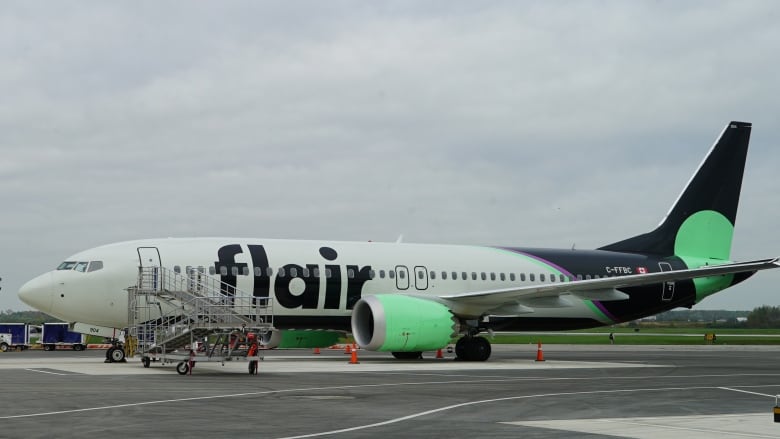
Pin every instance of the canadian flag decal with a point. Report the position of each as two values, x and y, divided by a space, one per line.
641 270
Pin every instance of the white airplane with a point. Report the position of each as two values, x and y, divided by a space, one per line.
408 298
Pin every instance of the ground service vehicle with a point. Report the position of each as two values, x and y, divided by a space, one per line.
55 335
14 336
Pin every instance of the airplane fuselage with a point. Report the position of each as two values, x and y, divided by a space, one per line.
316 284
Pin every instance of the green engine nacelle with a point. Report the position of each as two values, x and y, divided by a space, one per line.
291 338
402 324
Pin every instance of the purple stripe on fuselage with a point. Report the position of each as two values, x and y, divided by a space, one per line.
542 260
564 271
606 312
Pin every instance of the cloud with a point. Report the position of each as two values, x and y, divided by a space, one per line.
524 124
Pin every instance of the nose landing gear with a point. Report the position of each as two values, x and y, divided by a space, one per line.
116 353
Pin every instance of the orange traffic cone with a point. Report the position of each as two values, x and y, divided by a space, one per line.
348 349
439 354
539 353
316 351
353 359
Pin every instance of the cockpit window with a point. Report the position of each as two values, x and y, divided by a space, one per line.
81 267
67 265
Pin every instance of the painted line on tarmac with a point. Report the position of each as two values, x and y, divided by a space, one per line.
746 391
245 394
489 401
363 386
48 372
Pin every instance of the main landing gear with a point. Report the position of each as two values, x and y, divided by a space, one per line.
472 348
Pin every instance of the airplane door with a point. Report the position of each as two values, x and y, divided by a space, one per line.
420 278
402 277
149 257
667 289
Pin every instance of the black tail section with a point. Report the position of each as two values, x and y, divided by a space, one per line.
714 187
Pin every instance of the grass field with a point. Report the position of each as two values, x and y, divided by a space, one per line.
647 336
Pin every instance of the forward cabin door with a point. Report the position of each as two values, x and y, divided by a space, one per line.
149 261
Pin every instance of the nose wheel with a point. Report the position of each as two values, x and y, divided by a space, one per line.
115 354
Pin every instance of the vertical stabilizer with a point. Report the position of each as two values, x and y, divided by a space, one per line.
700 224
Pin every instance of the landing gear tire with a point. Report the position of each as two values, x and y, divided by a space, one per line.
253 368
146 361
460 349
417 355
183 368
473 349
116 355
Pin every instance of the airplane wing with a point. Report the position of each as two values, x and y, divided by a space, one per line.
604 289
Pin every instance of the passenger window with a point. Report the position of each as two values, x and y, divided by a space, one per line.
454 276
531 277
492 276
522 277
503 277
484 276
420 274
350 273
246 271
258 271
563 278
512 277
223 271
444 275
316 272
381 274
176 269
371 274
280 273
95 265
541 277
391 274
212 270
269 271
579 277
293 272
464 276
402 274
433 275
587 277
473 275
328 273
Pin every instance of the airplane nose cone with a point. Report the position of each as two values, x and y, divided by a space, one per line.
38 292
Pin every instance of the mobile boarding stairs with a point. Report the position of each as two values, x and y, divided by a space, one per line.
191 317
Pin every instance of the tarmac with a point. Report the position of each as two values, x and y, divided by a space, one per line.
578 391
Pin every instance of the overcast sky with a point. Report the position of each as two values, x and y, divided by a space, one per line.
545 124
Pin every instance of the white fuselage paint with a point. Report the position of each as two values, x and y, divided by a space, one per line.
100 297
